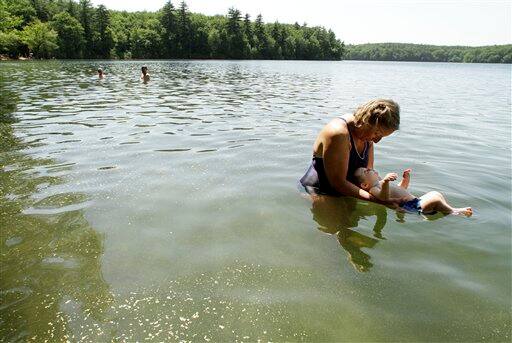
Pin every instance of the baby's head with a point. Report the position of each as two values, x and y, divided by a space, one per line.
366 177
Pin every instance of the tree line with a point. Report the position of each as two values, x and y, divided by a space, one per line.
429 53
71 30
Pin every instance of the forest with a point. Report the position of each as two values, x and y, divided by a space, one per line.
429 53
67 29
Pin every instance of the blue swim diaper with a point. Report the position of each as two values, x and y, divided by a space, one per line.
411 206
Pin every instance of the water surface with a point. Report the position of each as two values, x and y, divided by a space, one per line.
169 210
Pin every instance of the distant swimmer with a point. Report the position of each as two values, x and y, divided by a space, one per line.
101 75
144 76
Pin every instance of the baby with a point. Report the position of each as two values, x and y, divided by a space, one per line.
428 203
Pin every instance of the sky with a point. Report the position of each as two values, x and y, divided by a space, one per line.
448 22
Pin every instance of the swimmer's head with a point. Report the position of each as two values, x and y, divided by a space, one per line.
366 177
144 70
100 71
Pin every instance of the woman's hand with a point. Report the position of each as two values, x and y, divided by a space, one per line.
393 203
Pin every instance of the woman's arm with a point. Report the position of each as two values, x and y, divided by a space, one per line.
336 152
370 155
384 193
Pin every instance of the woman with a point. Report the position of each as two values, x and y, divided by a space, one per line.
345 144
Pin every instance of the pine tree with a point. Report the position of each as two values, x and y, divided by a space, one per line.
263 48
72 9
247 28
168 22
236 44
184 31
104 41
86 16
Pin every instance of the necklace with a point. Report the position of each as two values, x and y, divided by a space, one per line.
354 142
357 152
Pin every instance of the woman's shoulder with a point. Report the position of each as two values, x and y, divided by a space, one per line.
337 127
334 134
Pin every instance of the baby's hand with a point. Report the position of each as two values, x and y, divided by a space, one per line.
390 177
407 173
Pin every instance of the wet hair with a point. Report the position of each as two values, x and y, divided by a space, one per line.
100 70
359 175
383 113
143 69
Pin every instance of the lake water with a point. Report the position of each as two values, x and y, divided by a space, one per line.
170 210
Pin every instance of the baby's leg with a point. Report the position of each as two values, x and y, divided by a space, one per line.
406 178
435 201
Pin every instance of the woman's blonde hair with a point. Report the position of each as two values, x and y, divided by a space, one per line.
379 112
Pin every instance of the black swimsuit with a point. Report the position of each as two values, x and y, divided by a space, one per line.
315 179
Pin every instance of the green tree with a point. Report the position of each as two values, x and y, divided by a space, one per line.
247 29
70 35
103 40
200 29
121 26
10 38
42 9
168 21
261 38
336 48
11 43
236 43
40 38
214 42
507 58
277 37
86 19
72 9
145 43
184 33
22 10
439 55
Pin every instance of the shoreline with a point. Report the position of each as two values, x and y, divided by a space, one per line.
22 58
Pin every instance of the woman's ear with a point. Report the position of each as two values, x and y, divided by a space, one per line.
365 185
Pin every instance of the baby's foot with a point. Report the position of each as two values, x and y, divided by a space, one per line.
407 173
465 211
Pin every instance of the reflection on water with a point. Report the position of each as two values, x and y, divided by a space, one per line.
339 215
342 216
50 255
8 102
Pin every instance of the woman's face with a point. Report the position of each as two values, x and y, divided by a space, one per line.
375 134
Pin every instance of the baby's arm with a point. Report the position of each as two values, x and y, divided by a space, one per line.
406 178
385 184
382 192
376 192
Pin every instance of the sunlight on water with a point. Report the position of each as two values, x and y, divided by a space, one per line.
170 210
